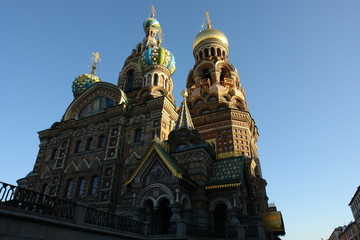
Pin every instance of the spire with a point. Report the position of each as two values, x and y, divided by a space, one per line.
184 119
208 26
95 59
152 11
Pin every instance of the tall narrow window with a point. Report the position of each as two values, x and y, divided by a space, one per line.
44 188
77 146
90 144
101 142
212 51
81 190
130 80
94 185
156 79
137 135
69 189
53 153
206 52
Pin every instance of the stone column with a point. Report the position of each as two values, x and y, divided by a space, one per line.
176 218
235 223
215 77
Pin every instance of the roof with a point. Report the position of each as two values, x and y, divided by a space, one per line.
227 172
184 119
169 162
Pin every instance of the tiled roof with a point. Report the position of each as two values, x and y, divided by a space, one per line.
184 119
226 172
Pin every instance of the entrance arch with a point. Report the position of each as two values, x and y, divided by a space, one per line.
220 219
162 216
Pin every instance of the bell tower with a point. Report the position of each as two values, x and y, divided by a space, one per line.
217 101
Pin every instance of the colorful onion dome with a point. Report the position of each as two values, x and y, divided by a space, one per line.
83 82
151 22
157 56
210 33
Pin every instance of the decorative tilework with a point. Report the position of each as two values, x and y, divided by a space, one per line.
228 170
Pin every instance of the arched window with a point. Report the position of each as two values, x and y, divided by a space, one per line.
94 184
53 154
156 79
130 80
137 135
81 189
44 188
201 55
206 73
162 80
223 53
144 83
212 51
77 146
206 52
70 187
89 144
218 52
101 141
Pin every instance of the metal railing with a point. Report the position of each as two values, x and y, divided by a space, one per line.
109 220
211 232
21 198
251 232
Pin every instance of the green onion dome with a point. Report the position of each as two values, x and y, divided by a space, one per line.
157 56
83 82
151 22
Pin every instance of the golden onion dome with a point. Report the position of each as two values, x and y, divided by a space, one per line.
209 34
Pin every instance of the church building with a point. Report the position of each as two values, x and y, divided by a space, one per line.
129 150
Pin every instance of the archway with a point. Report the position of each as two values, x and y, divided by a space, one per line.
220 219
161 220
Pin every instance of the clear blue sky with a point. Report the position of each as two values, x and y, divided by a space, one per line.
298 61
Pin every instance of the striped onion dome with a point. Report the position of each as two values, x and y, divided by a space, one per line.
151 22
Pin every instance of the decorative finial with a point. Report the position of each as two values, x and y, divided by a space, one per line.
184 94
152 11
208 20
96 58
160 36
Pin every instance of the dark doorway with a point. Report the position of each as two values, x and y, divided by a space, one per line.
220 219
161 224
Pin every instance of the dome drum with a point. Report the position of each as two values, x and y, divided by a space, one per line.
210 48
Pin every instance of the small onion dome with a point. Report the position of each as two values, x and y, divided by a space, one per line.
209 34
159 56
151 22
83 82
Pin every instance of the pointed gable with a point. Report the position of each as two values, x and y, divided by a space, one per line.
163 157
